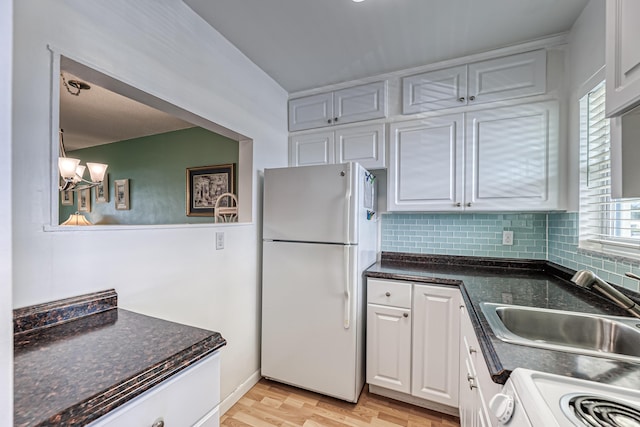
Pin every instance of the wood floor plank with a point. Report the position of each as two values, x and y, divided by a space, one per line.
271 404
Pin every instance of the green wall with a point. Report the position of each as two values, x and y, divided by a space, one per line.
156 168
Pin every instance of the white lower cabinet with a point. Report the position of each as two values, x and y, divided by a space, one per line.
476 386
436 344
189 398
362 144
413 342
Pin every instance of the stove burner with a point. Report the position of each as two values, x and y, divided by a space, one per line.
595 411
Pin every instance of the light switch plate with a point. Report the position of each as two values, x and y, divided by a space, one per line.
219 240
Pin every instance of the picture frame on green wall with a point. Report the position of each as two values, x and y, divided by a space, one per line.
205 184
66 198
121 194
84 200
102 190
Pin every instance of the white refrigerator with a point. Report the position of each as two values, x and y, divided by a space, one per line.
319 235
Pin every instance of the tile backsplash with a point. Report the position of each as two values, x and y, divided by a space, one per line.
466 234
551 236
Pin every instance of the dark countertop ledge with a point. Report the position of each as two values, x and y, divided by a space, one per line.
79 358
535 283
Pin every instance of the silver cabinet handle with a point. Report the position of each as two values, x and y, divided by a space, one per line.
457 205
470 380
472 350
387 294
158 423
472 98
469 204
405 314
461 99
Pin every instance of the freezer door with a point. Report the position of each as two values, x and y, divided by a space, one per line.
310 321
311 203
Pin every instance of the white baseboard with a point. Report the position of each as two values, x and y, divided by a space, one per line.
231 400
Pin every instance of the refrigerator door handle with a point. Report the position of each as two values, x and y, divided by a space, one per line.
347 290
348 210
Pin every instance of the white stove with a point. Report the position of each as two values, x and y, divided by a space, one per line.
537 399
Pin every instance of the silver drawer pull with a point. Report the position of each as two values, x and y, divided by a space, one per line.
388 294
159 423
472 350
405 314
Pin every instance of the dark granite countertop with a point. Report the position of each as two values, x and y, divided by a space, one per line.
529 283
77 359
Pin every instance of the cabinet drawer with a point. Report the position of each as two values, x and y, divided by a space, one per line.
183 400
388 292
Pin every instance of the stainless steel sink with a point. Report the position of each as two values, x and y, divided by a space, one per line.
591 334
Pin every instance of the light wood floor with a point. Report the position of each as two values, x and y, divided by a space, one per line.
270 404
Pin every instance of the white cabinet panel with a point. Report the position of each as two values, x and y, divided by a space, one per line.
362 144
425 164
191 396
436 344
623 55
434 90
311 111
508 77
511 158
349 105
311 149
364 102
389 347
496 79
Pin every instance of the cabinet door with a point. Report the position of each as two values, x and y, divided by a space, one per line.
364 102
436 344
311 111
508 77
425 165
623 55
389 347
311 149
362 144
434 90
512 158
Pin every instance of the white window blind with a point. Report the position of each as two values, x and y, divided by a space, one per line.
606 224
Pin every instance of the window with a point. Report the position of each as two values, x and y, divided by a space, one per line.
606 225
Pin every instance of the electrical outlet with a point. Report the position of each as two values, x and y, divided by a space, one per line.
219 240
507 238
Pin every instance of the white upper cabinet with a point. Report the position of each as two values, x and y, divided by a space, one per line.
512 158
497 79
623 55
434 90
425 164
353 104
507 159
311 149
363 144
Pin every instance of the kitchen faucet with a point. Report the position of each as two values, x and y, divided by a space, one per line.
587 279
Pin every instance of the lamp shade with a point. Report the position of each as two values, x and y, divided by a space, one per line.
79 173
67 167
97 171
76 219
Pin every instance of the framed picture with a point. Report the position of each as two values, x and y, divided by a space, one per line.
102 191
66 198
205 184
121 194
84 200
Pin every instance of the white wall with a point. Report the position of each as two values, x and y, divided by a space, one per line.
163 48
586 57
6 331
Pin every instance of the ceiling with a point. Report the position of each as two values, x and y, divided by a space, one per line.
304 44
98 116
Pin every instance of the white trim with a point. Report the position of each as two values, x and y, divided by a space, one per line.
114 227
240 391
591 82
